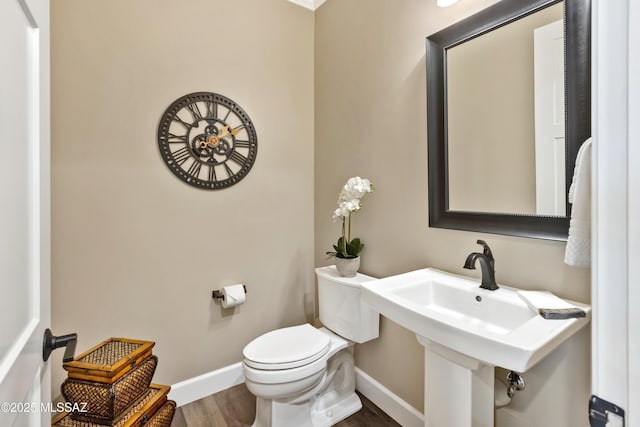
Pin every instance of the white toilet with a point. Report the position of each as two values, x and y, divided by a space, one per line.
303 376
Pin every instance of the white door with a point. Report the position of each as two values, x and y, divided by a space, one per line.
548 61
616 208
24 211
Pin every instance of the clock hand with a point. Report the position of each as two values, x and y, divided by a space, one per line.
232 132
215 139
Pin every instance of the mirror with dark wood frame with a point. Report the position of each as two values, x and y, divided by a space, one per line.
577 119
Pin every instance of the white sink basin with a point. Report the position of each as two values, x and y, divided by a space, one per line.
496 328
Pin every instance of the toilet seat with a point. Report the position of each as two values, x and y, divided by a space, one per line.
287 348
290 356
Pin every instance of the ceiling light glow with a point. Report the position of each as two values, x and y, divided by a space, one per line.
445 3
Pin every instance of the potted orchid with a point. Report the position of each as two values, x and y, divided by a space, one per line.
346 250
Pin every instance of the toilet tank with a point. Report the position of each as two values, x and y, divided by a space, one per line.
341 307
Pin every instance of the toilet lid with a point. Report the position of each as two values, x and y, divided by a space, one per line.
287 348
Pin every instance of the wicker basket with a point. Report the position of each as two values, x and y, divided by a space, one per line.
109 360
106 403
163 416
152 409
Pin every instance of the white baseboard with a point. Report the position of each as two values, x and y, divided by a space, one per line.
212 382
196 388
405 414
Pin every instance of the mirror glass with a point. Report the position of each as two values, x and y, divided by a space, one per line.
505 118
508 106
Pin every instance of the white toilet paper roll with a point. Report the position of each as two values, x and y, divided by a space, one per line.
233 295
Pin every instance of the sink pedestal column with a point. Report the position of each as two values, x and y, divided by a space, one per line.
458 389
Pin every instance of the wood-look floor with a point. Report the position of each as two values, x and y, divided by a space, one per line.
236 407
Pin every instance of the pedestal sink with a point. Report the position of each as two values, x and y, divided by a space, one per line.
466 332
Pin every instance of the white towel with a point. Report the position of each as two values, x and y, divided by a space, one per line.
550 306
543 299
578 250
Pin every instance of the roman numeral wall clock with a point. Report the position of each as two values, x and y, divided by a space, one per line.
207 140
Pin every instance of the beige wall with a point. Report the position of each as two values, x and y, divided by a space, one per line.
137 252
370 120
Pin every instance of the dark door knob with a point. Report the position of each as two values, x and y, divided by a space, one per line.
52 342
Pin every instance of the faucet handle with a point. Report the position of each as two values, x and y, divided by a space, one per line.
487 250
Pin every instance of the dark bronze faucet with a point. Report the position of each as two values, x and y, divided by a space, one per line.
487 265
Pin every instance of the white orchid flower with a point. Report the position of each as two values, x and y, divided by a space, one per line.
348 202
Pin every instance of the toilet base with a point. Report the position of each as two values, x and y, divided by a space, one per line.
272 414
337 412
330 401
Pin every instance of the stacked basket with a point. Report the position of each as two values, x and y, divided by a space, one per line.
110 385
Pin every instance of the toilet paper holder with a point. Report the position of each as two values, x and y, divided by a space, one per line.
217 294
